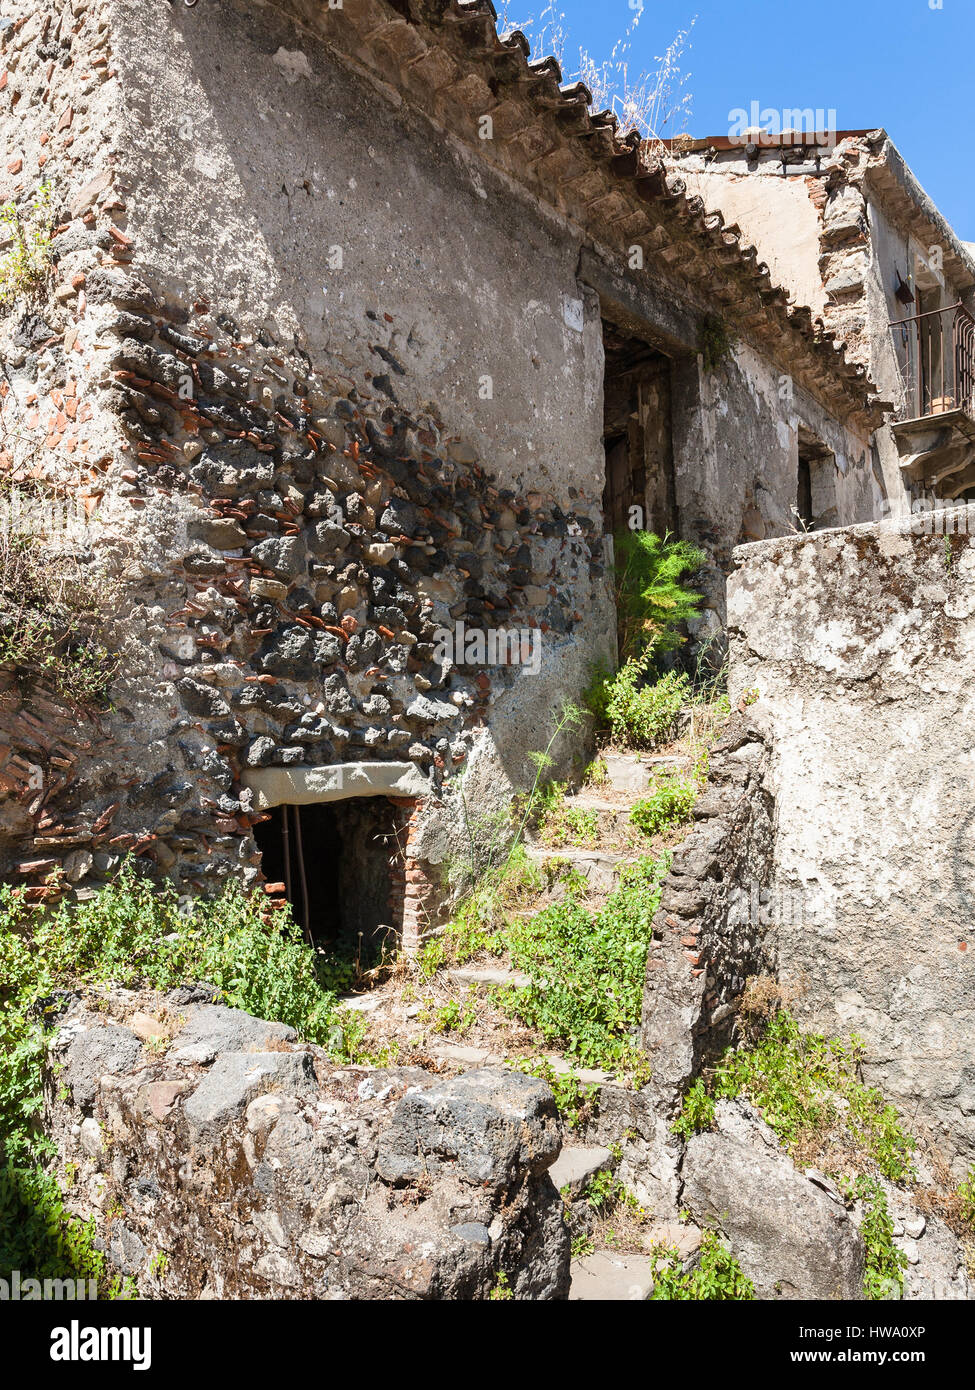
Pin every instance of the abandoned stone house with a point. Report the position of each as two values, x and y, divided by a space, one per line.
364 334
847 229
363 329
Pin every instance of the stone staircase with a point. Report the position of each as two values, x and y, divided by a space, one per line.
608 1275
605 1273
628 777
612 1275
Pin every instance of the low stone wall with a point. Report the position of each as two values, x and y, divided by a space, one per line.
222 1159
708 932
861 644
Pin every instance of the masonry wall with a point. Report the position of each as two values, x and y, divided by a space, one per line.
860 645
301 438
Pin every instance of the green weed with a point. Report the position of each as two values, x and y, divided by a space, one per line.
28 262
670 803
638 711
651 599
587 971
717 1278
884 1267
808 1090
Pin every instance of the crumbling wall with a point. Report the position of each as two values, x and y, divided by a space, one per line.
860 644
710 932
219 1158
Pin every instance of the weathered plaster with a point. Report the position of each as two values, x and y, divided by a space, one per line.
859 643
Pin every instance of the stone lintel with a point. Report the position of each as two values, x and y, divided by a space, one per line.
307 786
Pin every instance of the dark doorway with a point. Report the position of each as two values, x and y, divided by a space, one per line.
336 861
639 490
816 488
804 501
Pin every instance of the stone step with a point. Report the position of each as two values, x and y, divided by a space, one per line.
488 976
361 1003
673 1235
586 1075
609 816
633 772
606 1276
466 1056
586 800
599 867
575 1165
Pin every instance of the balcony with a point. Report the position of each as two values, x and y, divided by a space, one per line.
936 440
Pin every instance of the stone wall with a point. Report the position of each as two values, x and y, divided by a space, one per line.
710 932
219 1158
53 812
248 445
860 644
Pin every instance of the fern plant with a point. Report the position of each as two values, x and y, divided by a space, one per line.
651 598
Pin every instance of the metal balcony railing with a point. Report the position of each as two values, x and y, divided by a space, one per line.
939 361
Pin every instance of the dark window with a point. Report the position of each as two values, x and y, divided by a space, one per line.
816 488
804 504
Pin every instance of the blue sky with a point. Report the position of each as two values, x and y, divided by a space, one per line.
894 63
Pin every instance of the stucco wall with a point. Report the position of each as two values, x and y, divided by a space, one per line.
736 460
775 213
861 646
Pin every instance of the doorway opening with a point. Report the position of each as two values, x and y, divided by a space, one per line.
816 486
339 864
637 436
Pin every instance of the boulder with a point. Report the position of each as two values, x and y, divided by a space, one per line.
791 1235
489 1125
262 1168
